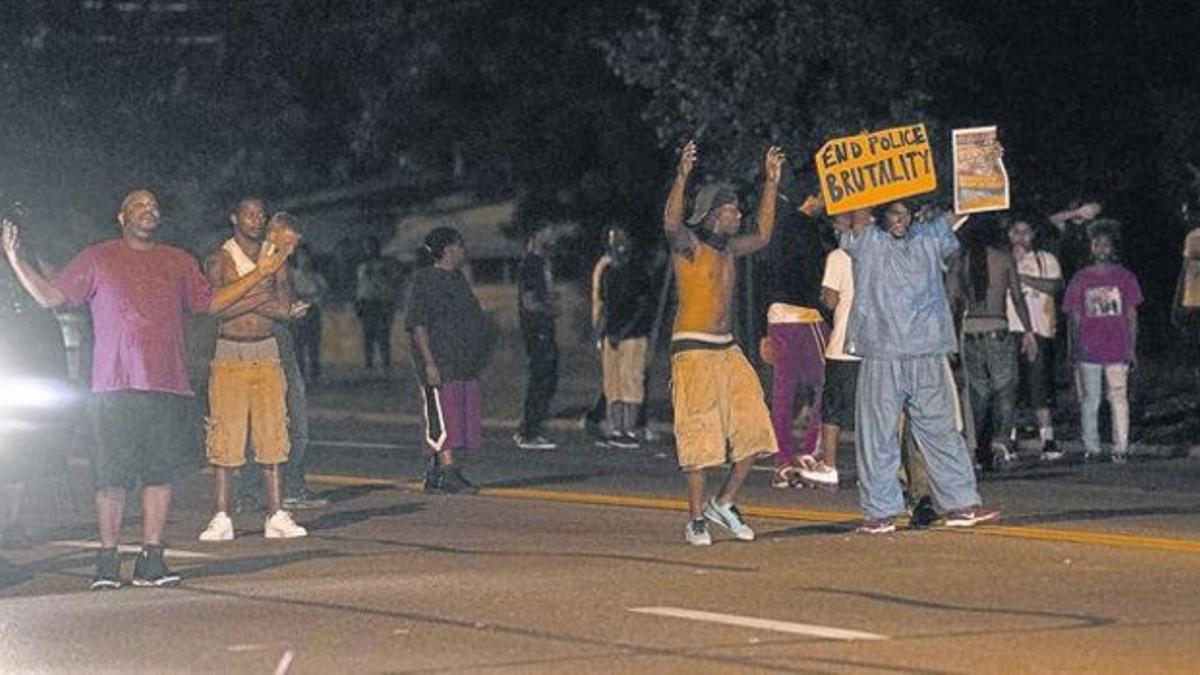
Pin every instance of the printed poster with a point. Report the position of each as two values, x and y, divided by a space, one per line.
980 179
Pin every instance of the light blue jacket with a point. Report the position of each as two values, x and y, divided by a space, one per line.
900 308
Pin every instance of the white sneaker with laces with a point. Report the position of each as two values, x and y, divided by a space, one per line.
821 474
281 526
220 528
696 533
729 517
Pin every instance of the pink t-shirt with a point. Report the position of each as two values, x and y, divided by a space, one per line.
138 301
1103 297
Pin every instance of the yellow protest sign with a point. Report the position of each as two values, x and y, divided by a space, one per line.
875 168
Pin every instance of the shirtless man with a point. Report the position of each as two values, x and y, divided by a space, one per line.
980 284
717 397
247 388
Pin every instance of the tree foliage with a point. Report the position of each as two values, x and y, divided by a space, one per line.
739 74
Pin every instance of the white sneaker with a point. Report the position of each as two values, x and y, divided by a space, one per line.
220 528
820 474
281 526
696 533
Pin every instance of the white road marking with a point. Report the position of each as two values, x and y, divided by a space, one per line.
255 647
826 632
130 548
364 444
285 662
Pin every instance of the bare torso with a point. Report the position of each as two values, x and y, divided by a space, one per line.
705 285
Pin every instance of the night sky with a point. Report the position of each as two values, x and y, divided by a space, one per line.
208 99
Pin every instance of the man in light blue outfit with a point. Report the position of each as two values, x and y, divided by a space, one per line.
900 324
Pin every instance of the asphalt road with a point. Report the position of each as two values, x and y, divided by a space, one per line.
573 561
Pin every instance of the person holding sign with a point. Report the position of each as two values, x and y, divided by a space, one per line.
719 406
901 326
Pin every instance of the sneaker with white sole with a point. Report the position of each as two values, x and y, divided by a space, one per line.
281 526
820 474
876 526
108 570
729 517
971 517
536 442
785 477
220 528
151 571
696 533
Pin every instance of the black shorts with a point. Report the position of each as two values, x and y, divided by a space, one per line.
151 438
1037 377
841 384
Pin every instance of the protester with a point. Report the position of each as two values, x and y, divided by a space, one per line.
1041 281
308 286
537 310
595 418
980 283
901 326
720 412
247 387
452 341
296 494
623 327
1185 309
137 290
374 302
796 329
841 369
1101 302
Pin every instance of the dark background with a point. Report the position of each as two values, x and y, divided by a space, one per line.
577 108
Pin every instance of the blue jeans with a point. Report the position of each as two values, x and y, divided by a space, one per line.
924 388
1116 375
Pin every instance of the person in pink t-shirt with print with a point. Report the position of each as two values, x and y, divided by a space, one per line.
1101 302
139 293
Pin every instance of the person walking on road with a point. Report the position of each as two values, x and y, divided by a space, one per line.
720 412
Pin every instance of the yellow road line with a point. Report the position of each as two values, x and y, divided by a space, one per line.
1123 541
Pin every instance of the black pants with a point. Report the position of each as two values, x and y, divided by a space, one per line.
376 318
542 351
307 335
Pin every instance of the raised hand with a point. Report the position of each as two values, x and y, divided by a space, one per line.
11 240
773 164
272 260
687 158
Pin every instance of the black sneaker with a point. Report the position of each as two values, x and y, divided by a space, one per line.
454 482
435 480
151 569
923 514
108 570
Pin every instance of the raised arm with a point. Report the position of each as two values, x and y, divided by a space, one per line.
749 243
35 283
677 235
268 264
1087 211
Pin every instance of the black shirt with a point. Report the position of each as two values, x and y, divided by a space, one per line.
626 292
461 335
533 278
795 260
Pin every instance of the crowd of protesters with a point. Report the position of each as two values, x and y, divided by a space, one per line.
916 331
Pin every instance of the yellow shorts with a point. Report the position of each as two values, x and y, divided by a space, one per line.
625 370
247 397
720 412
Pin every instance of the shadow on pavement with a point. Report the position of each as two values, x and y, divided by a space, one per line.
250 565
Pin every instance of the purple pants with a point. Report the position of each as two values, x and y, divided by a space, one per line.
799 350
453 417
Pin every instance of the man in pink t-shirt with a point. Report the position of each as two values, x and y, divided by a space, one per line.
139 292
1102 301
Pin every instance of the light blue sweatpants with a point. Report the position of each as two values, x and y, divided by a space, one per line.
923 386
